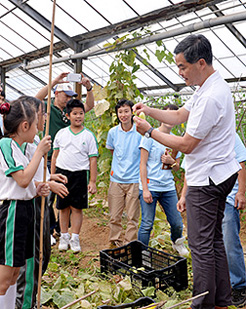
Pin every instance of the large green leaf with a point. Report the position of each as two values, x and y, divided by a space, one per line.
46 295
63 298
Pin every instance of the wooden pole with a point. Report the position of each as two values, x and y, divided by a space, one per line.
162 303
45 157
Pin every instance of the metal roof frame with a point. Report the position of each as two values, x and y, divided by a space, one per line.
77 46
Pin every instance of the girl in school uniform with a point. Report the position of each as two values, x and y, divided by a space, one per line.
17 190
29 283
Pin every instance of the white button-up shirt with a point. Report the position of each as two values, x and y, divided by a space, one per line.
211 119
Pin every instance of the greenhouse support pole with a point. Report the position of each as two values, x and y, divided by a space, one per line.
45 157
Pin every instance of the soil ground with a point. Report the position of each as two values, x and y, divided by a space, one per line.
94 237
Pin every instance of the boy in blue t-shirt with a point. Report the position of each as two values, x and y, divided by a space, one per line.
123 142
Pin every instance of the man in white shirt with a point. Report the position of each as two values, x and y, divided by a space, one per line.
211 167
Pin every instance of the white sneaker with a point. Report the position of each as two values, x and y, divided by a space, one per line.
75 245
63 243
180 247
52 240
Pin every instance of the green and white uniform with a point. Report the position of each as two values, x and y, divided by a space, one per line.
27 283
16 210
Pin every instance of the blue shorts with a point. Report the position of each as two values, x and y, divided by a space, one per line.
16 232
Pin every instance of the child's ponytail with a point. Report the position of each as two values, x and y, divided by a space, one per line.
5 108
20 110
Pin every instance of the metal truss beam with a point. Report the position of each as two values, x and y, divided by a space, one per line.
95 37
44 22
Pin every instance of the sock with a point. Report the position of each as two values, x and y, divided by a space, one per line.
66 235
2 301
10 297
74 236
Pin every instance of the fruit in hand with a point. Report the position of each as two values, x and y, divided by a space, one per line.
142 115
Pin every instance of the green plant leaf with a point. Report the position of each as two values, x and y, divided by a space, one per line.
160 54
149 291
63 298
159 43
46 295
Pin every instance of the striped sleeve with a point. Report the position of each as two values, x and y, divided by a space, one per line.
10 162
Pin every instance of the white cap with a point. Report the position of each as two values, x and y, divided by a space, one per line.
67 88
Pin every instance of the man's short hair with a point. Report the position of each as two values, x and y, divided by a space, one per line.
74 103
195 47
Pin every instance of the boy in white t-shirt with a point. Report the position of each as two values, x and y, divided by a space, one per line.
74 155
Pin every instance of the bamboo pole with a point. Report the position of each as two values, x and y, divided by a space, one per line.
45 157
162 303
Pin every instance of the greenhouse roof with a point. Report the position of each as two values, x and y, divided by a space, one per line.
82 28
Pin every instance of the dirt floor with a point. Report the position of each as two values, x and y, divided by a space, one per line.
94 237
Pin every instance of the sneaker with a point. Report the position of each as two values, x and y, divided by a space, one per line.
52 240
63 243
75 245
180 247
238 297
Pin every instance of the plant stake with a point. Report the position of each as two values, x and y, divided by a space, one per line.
45 158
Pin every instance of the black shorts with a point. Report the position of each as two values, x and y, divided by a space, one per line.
77 188
16 232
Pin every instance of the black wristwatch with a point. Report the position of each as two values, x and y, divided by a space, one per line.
148 133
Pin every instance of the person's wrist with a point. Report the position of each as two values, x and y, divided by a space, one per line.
174 164
89 89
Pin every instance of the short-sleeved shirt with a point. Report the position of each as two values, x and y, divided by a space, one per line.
58 120
12 159
126 156
240 157
158 179
29 150
75 149
1 126
211 119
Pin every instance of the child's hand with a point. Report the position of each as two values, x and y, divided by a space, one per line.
147 196
58 177
43 189
166 158
59 188
181 205
45 145
92 188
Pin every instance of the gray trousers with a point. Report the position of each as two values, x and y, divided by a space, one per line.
205 207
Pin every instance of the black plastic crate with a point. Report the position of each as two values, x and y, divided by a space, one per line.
146 266
143 301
